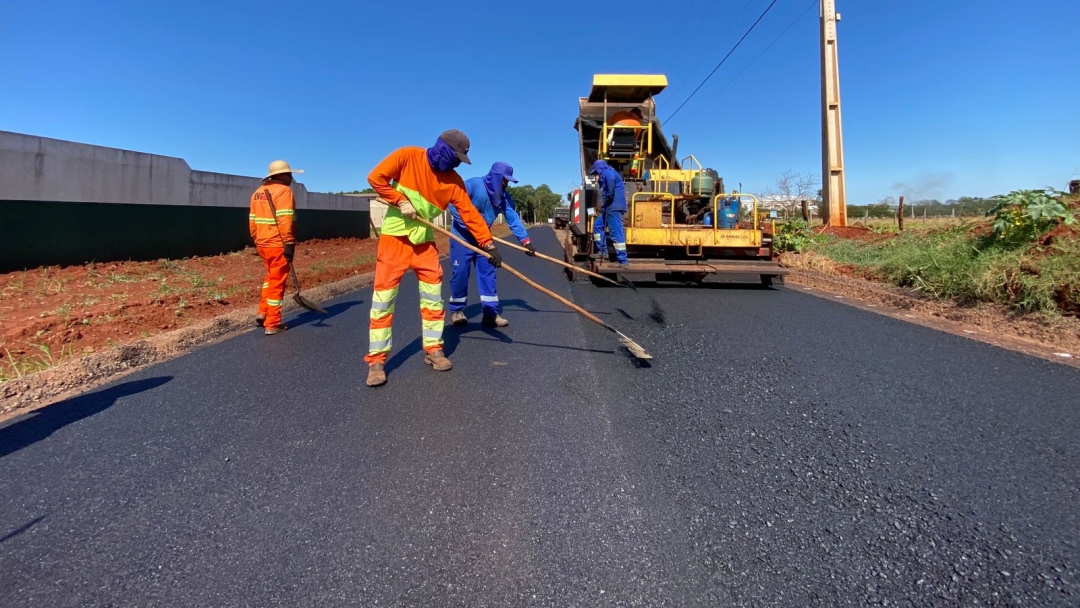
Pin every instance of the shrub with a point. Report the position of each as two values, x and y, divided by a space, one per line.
1021 216
792 235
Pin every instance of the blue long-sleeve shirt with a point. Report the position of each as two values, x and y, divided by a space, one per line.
611 187
481 199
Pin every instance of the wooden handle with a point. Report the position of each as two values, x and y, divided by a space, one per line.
295 281
523 249
588 315
557 261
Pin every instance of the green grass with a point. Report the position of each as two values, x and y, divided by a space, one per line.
356 260
12 367
953 263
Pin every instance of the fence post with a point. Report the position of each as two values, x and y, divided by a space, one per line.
900 214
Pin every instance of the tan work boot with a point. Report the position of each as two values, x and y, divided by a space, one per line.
438 361
376 375
458 318
496 321
270 331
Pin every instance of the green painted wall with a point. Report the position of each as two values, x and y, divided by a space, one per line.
36 234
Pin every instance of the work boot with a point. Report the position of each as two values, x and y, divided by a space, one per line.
495 321
270 331
376 375
458 318
259 320
622 265
438 361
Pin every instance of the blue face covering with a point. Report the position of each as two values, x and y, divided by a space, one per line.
493 183
442 157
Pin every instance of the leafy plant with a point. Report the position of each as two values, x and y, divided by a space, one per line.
1021 216
792 235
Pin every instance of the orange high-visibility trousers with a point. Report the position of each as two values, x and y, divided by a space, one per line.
397 255
273 288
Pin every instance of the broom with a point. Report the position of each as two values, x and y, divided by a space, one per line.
634 348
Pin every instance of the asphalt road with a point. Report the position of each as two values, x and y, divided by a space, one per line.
781 450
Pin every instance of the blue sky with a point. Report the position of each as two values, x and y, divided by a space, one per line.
940 98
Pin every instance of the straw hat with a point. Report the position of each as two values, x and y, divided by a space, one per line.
279 166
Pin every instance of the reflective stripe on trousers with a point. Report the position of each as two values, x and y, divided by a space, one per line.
613 221
396 256
273 287
462 260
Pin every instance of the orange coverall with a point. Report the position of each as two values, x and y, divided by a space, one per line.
271 234
406 175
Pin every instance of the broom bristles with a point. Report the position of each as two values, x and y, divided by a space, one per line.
634 348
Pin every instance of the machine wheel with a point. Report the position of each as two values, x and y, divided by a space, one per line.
772 280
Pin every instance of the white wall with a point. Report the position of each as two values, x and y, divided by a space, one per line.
51 170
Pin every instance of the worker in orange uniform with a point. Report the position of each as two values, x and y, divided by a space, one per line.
418 182
270 221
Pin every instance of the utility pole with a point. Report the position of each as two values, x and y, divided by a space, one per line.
833 191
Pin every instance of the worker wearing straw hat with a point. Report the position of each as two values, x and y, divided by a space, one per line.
271 223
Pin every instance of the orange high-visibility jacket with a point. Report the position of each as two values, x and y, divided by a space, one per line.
265 231
406 175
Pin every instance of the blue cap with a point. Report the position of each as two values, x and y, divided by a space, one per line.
504 170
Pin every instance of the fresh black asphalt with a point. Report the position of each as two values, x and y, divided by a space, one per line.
780 450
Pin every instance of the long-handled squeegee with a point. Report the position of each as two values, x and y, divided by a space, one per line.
634 348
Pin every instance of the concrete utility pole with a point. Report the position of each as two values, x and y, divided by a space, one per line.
833 191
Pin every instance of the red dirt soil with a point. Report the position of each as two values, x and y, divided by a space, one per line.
1062 233
54 313
856 233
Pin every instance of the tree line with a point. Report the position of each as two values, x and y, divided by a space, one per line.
792 188
965 206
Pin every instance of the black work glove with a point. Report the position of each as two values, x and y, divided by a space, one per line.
496 257
290 251
531 249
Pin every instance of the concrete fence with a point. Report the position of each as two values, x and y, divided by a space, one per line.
65 203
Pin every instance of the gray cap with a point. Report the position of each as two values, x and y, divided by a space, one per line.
459 142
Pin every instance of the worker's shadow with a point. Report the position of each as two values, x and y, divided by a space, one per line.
517 303
401 356
317 320
452 335
37 425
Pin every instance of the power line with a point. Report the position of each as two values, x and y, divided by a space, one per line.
691 36
775 40
760 17
721 37
673 34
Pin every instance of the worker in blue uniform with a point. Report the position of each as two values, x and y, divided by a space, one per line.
491 197
610 215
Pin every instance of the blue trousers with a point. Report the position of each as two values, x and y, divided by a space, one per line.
461 262
613 221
